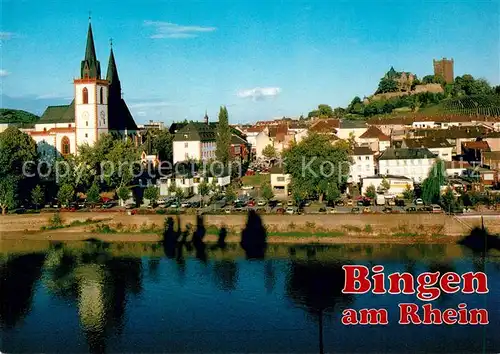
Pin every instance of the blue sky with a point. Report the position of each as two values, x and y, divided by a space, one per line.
261 59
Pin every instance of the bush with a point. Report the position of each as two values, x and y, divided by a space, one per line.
55 221
161 211
368 228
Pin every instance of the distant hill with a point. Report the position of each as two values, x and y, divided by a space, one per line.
17 116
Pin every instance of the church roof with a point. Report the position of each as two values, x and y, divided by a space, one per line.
58 114
112 75
90 65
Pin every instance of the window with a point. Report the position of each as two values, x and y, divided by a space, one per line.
85 95
65 148
280 179
86 135
186 145
86 123
101 96
367 157
359 158
69 125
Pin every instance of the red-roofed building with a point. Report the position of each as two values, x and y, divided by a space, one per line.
375 139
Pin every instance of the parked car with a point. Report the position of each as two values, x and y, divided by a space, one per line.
129 206
246 188
331 210
355 210
436 208
261 202
387 210
360 203
280 211
185 205
251 203
174 205
290 210
349 202
273 203
419 201
411 210
227 210
322 210
289 203
367 210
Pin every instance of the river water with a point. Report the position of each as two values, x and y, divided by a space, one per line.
117 298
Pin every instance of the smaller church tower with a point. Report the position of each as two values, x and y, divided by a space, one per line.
91 97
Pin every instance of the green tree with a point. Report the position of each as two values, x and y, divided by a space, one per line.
267 191
385 185
371 192
431 187
269 152
323 111
151 193
172 189
449 201
203 188
123 193
37 196
66 194
179 193
230 194
387 85
332 192
159 142
93 195
8 188
223 139
314 162
408 193
18 161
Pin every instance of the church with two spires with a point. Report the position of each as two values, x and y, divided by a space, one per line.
97 108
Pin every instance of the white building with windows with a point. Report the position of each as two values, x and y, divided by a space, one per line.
363 164
280 181
190 185
412 163
437 145
195 141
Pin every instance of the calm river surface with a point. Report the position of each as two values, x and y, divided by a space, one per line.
78 298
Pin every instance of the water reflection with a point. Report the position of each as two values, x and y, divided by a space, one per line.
18 276
174 304
98 284
225 274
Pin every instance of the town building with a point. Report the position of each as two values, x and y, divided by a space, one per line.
472 151
351 128
363 164
195 141
491 159
280 181
397 184
438 146
375 139
97 108
456 168
412 163
444 68
189 184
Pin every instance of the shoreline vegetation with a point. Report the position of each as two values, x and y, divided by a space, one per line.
331 229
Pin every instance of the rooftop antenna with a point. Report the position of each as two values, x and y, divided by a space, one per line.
111 42
90 16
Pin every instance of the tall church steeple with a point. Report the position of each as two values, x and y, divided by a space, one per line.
115 88
91 68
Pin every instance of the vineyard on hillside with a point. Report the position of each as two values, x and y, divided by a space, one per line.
485 105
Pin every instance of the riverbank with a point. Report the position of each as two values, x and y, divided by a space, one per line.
299 229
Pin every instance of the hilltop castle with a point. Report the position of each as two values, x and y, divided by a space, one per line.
97 108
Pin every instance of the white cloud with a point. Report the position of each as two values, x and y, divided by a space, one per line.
50 96
6 35
173 30
3 73
259 93
150 104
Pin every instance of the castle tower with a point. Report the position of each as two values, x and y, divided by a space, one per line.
91 97
444 68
